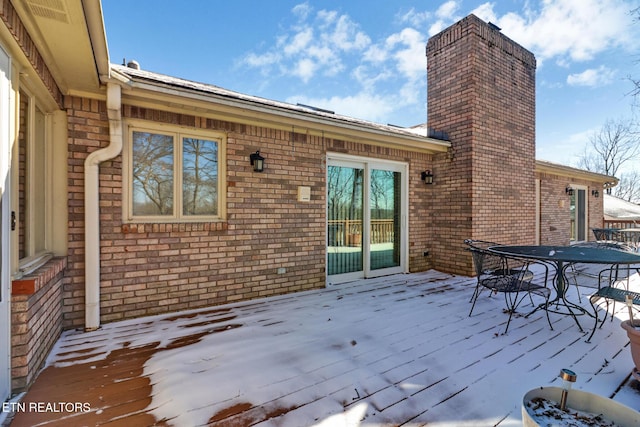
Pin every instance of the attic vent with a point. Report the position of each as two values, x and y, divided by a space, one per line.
50 9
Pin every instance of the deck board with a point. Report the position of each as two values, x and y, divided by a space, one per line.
398 350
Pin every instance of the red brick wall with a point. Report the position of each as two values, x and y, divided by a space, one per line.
481 91
156 268
596 207
554 211
555 218
36 321
87 131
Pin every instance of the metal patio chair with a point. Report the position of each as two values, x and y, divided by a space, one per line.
612 276
484 245
507 275
605 244
615 277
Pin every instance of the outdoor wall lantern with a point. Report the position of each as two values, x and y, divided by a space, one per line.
427 177
257 161
595 193
569 190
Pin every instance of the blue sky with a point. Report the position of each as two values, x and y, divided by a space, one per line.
366 59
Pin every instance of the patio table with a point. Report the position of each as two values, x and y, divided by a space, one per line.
561 257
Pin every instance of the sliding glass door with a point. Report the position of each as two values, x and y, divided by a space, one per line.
578 211
366 218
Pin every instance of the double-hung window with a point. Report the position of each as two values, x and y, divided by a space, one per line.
174 175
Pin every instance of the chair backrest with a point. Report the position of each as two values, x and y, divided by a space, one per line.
620 245
489 265
480 244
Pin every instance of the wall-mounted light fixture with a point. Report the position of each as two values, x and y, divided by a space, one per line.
569 190
595 193
427 177
257 161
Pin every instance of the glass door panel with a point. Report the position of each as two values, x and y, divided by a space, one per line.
582 216
384 214
345 198
578 212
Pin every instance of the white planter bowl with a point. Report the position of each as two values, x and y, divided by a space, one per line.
583 401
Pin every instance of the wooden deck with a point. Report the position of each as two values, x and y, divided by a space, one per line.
398 350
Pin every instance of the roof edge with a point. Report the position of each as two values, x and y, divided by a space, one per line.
572 172
270 111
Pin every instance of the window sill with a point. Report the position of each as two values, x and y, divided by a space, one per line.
36 280
142 227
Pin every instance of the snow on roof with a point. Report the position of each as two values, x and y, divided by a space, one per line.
616 208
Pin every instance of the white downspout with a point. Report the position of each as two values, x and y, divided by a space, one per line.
91 206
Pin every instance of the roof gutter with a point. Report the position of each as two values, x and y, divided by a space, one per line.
95 26
92 204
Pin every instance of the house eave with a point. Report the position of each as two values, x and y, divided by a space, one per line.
544 166
251 111
52 25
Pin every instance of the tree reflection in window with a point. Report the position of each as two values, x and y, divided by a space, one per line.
199 177
152 174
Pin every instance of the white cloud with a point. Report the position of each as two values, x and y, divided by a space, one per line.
298 43
447 10
314 44
575 30
410 57
592 77
369 77
375 53
399 61
260 61
414 18
345 35
436 27
363 105
305 69
302 11
564 149
330 44
485 12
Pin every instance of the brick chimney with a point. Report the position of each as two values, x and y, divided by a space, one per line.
481 91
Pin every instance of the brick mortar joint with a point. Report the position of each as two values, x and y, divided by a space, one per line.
44 275
170 227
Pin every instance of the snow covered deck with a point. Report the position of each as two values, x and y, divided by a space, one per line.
396 350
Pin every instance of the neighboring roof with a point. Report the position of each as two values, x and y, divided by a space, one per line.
616 208
256 108
571 172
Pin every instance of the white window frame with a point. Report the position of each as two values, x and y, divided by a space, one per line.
178 133
38 182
